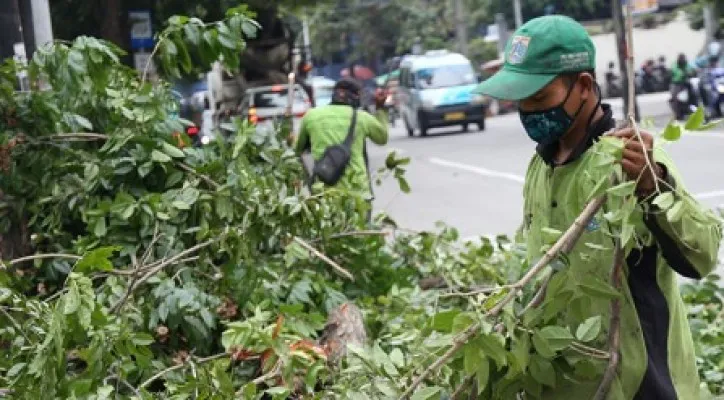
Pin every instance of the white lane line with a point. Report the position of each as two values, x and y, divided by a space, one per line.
714 135
478 170
709 195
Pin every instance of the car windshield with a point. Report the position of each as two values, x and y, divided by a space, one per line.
277 98
445 76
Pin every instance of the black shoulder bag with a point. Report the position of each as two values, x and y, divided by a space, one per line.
330 168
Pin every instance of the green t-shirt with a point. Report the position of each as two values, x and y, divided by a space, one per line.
326 126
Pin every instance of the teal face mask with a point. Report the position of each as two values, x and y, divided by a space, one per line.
548 126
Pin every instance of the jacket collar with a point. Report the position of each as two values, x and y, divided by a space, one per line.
594 132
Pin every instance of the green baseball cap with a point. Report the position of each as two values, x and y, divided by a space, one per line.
540 50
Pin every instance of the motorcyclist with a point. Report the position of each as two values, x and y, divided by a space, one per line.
328 125
710 92
681 73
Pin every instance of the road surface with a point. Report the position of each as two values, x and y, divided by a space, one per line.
473 181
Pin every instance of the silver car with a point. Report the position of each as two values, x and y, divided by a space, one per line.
267 105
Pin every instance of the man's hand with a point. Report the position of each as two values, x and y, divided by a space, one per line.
634 160
380 97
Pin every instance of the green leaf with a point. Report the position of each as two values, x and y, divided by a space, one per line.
491 346
520 353
599 188
426 393
551 235
623 189
172 150
672 132
159 157
695 120
676 211
397 357
710 125
472 358
71 299
542 370
462 321
558 337
664 201
443 321
404 185
482 375
15 369
99 229
597 288
192 33
96 260
589 329
541 346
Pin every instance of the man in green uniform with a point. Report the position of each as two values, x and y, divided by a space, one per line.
549 69
326 126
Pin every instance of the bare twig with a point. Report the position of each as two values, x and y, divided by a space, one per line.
212 184
43 256
564 245
198 360
475 292
80 136
157 268
540 295
463 386
15 324
272 373
353 234
324 258
614 330
125 383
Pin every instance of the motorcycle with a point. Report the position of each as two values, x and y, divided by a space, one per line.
391 109
683 101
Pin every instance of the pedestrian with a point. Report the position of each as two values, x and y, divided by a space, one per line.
549 69
327 126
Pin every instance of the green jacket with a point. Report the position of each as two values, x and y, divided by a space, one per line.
326 126
657 352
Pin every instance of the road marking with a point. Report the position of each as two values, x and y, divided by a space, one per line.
709 195
478 170
715 135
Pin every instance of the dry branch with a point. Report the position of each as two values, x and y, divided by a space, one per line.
324 258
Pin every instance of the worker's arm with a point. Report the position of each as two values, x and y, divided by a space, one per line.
303 137
690 245
376 126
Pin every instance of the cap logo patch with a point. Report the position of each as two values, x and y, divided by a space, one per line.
518 49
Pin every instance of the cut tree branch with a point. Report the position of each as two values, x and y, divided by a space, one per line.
43 256
614 330
564 245
324 258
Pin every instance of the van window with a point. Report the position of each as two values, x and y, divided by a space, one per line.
445 76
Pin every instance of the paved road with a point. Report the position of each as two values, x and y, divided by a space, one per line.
473 181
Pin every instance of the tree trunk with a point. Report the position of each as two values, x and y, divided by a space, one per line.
112 18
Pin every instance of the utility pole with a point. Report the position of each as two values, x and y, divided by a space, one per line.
42 26
620 31
461 27
518 14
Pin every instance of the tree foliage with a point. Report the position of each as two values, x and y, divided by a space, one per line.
158 270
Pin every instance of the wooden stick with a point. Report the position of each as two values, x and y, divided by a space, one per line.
614 330
564 243
324 258
43 256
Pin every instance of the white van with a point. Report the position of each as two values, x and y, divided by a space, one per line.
436 90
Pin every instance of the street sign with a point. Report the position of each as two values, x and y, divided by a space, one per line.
642 6
141 29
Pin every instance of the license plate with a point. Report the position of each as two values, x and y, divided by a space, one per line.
454 116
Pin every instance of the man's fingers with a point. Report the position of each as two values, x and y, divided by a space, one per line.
630 168
624 133
636 145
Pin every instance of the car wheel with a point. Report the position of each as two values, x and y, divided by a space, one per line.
422 121
481 125
410 131
465 127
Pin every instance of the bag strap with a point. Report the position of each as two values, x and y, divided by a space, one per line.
350 134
